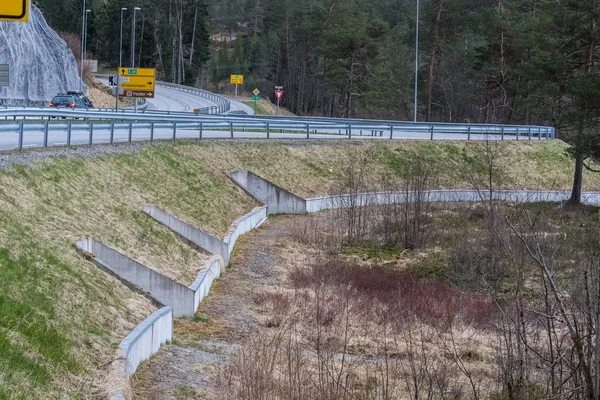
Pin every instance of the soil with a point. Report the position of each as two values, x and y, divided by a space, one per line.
188 367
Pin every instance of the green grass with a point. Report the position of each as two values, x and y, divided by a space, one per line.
258 109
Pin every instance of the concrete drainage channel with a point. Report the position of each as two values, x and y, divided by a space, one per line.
177 300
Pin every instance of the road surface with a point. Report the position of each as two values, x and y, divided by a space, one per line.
168 99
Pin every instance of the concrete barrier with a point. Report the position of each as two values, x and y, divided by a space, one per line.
196 236
248 222
210 272
162 288
143 342
277 199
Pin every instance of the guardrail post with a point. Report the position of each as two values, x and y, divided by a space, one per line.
20 135
517 133
200 131
502 132
112 132
391 132
431 132
349 131
307 131
91 125
69 132
46 134
469 132
539 133
529 129
130 131
174 130
547 134
268 130
152 131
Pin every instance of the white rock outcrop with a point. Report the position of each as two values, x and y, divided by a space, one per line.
41 64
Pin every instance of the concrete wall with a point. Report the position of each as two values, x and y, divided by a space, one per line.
277 199
245 224
143 342
162 288
519 196
198 237
203 283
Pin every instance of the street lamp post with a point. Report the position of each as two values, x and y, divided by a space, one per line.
133 50
133 37
85 24
416 60
82 49
120 61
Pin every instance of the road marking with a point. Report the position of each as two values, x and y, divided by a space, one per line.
28 146
60 144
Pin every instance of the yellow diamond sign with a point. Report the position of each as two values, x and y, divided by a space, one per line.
14 10
256 92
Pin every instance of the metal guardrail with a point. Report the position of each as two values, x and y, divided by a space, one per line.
36 128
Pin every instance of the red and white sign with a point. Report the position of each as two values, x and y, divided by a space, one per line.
279 94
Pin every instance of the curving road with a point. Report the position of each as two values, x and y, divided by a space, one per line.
168 99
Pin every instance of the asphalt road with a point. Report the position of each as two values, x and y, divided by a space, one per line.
168 99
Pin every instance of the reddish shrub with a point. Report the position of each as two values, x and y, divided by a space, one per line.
402 295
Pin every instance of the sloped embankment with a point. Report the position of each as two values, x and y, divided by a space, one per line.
61 319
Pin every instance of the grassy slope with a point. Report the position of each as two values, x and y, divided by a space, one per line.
308 170
60 317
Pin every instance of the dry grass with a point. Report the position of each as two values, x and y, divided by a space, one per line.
308 170
85 313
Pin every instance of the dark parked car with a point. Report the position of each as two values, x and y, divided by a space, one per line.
71 100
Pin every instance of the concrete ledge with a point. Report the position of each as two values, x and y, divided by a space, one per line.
196 236
242 225
202 284
143 342
277 199
161 287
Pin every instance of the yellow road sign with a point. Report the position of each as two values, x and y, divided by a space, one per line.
14 10
237 79
124 71
137 83
256 92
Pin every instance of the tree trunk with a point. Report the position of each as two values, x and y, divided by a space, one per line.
434 50
577 181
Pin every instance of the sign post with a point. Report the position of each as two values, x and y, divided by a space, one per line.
255 97
278 96
14 10
137 83
237 80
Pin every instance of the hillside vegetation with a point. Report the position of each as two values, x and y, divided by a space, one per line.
61 318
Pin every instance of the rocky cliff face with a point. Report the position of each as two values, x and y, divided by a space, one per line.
41 64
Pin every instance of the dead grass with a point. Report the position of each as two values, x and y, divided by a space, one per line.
44 209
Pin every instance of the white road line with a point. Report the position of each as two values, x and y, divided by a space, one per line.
28 146
60 144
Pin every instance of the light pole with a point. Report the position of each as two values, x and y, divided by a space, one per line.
82 49
416 60
85 24
133 52
133 37
120 60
